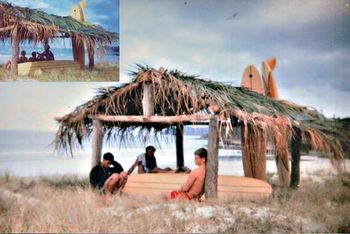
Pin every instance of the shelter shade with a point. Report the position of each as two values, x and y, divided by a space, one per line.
154 119
212 164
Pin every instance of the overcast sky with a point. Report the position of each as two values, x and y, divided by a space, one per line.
215 39
218 39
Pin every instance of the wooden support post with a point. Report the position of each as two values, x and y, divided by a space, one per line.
179 146
296 155
15 52
46 43
91 53
147 100
78 51
97 140
212 165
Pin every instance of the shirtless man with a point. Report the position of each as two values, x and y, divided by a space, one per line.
194 185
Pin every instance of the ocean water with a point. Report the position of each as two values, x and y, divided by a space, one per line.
59 53
32 154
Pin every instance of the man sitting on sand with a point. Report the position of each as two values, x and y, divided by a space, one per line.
194 185
147 163
108 179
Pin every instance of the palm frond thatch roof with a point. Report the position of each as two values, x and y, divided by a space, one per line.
176 93
38 26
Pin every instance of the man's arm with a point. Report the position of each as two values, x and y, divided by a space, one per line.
189 182
132 168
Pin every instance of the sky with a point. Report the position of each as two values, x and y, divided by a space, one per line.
218 39
214 39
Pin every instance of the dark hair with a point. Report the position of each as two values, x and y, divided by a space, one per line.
150 147
23 52
108 156
202 153
33 54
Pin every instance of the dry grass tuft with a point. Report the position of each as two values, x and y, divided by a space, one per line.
66 204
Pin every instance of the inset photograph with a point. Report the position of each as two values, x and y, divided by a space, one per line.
67 40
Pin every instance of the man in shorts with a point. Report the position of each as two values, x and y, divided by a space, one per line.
193 188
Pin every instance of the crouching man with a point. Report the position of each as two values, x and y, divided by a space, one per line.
193 188
108 179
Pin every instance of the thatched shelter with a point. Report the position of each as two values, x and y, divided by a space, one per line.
160 99
18 24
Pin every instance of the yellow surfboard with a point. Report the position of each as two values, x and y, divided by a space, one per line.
251 79
228 186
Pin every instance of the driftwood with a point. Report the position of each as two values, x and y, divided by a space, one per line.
154 119
179 146
97 140
212 165
15 52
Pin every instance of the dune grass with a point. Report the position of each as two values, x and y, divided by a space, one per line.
101 72
67 204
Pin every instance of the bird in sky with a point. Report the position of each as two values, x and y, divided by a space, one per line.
232 16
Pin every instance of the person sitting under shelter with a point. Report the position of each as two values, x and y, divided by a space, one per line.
46 55
21 59
33 58
147 163
108 179
194 185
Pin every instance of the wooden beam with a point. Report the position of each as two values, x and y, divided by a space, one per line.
147 100
97 140
179 146
296 155
15 52
6 28
212 165
154 119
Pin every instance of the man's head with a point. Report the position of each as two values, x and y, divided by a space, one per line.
200 156
33 54
150 150
23 53
108 158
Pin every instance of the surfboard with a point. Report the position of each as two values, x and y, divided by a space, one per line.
251 79
269 78
38 67
228 186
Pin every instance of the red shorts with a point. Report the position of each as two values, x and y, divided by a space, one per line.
179 195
